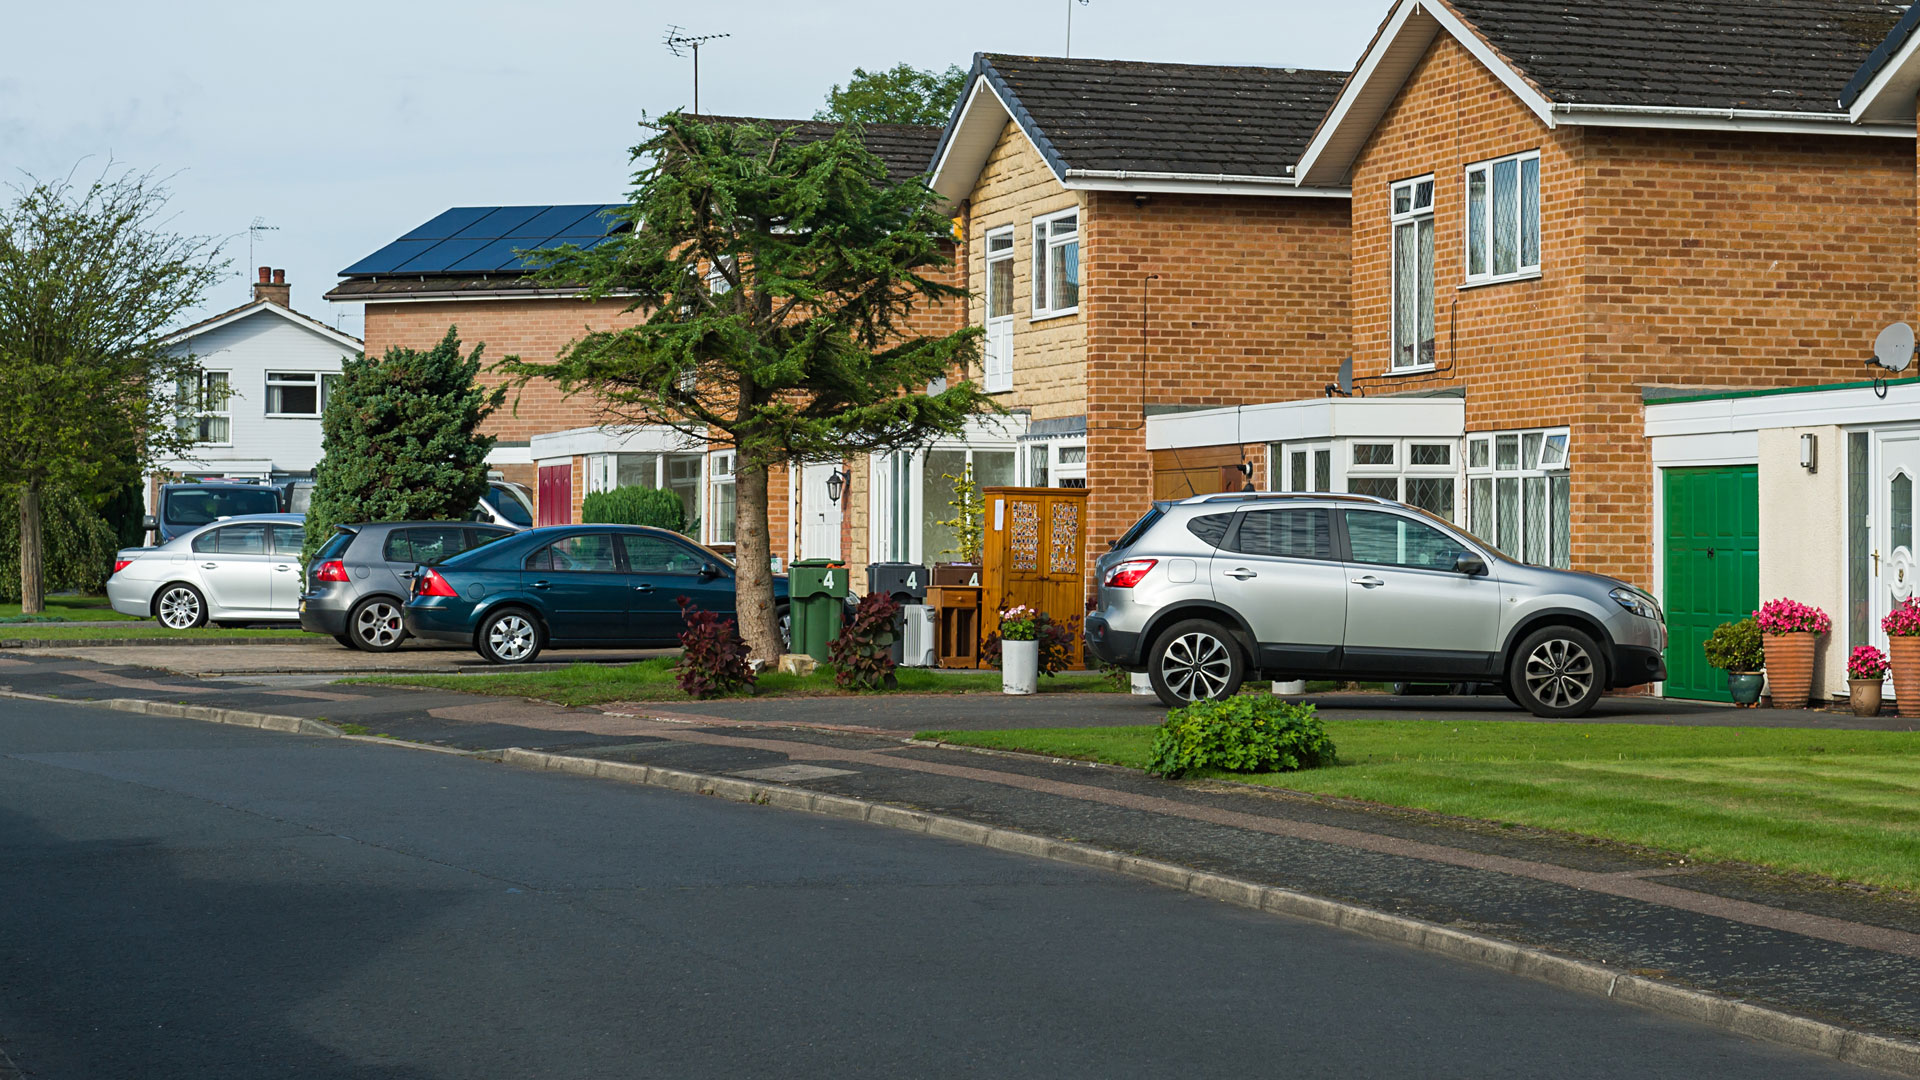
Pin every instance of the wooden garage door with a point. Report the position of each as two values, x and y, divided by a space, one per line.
1712 547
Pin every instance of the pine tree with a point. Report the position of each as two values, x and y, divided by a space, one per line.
400 440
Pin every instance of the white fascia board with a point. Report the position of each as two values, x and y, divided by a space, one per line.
1842 407
1391 60
979 126
1889 97
639 439
318 329
1309 418
1785 123
1195 184
510 455
1722 448
501 294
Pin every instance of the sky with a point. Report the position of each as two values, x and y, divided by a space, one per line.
344 125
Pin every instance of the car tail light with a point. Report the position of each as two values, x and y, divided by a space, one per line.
120 564
1128 574
331 570
432 584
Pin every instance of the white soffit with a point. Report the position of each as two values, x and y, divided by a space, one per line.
1889 98
1310 418
649 439
1846 406
971 143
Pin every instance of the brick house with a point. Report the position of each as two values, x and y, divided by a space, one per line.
459 269
1559 214
1135 243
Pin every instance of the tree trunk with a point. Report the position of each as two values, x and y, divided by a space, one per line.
33 585
753 554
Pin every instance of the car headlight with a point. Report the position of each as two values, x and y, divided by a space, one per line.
1636 602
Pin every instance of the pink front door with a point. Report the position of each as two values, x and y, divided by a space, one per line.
556 495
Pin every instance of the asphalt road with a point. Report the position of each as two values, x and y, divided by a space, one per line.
187 900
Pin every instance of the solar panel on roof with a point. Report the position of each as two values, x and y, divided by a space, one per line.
448 222
501 222
495 255
439 258
387 258
552 221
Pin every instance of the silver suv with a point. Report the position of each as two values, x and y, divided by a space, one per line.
1205 593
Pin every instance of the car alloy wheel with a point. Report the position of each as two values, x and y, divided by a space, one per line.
377 626
512 638
1559 673
1197 666
786 630
180 608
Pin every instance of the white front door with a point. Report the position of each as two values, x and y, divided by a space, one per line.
1892 560
819 515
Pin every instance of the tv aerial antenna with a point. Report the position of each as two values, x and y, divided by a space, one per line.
253 237
1893 351
680 43
1070 3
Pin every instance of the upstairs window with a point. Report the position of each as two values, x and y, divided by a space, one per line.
1503 218
998 354
1413 274
292 393
205 410
1056 264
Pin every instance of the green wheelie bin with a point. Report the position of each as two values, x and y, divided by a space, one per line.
816 591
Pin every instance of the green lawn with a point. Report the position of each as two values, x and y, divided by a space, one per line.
652 680
64 608
140 631
1841 804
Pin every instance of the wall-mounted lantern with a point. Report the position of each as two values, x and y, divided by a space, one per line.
1810 452
836 483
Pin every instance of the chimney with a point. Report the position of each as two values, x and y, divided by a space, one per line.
273 287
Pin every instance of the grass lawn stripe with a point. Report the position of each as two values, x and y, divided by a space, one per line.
1840 804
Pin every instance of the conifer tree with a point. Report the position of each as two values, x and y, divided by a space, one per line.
400 440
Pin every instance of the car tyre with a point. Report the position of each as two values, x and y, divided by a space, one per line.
1557 672
508 636
1195 660
180 606
373 625
783 623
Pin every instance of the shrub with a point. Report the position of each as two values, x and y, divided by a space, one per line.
76 545
1056 643
1785 616
862 656
1246 733
1736 646
1903 620
713 659
1867 662
635 506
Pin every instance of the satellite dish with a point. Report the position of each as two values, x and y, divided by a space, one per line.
1893 349
1346 376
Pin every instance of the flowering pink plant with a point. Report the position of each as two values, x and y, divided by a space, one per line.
1785 616
1903 620
1019 623
1867 662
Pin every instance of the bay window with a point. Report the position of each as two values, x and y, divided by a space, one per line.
1056 264
1518 494
1413 274
1422 473
1503 218
675 472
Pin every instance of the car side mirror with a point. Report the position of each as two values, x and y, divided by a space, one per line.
709 570
149 523
1469 564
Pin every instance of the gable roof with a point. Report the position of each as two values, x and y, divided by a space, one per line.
1884 88
1130 125
257 307
1755 65
468 252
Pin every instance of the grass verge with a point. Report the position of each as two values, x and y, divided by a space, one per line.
652 680
1840 804
64 609
139 632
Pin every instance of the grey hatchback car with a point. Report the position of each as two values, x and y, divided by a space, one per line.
1204 593
361 577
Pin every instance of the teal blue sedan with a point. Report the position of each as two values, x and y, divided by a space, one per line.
575 587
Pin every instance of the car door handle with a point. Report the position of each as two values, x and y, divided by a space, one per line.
209 566
540 585
283 568
407 574
643 588
1368 582
1241 573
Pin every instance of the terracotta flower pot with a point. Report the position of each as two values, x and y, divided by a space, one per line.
1864 696
1904 651
1790 668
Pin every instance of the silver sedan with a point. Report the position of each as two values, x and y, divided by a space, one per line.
241 569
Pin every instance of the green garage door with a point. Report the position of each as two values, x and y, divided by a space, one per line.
1712 547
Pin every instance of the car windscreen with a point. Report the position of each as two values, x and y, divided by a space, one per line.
511 504
198 506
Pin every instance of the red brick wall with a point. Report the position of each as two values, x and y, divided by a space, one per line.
1251 305
1668 258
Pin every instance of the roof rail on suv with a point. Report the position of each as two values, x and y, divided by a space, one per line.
1262 496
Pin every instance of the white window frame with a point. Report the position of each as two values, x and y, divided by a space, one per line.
1552 464
1402 467
1057 472
1523 270
314 380
894 532
997 357
1408 219
1045 244
720 465
201 414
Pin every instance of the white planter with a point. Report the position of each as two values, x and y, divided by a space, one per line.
1142 684
1019 666
1291 688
